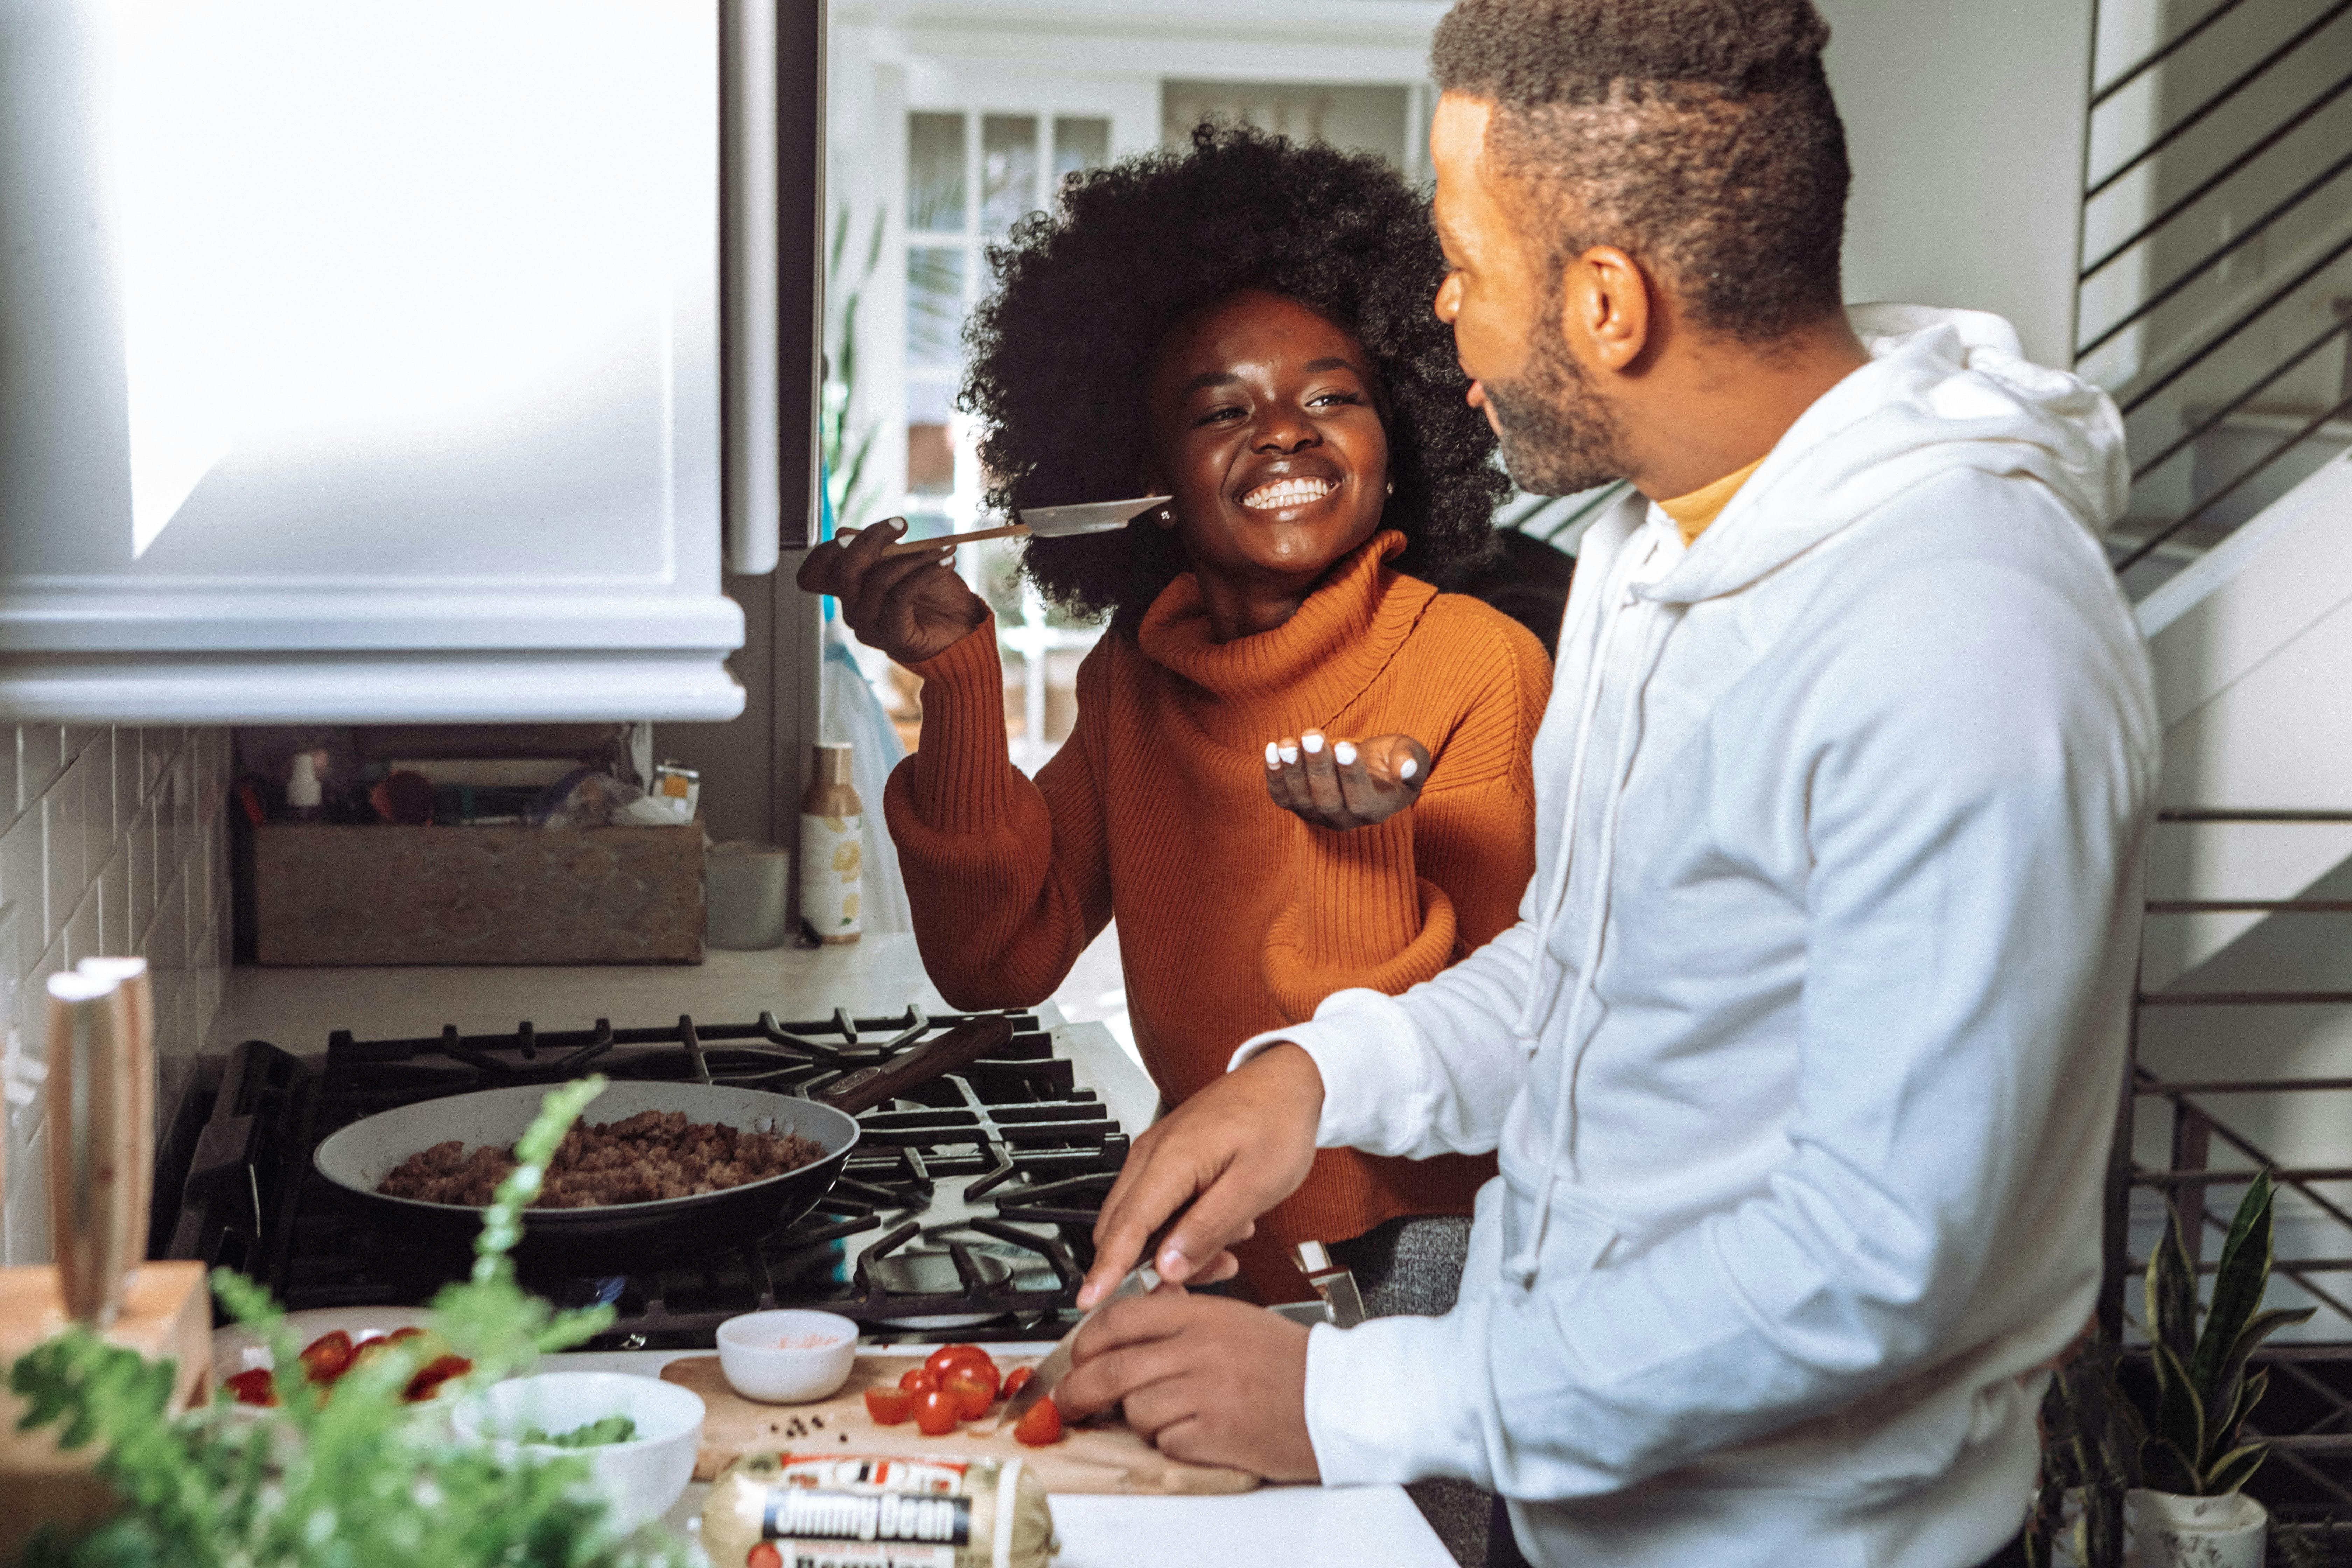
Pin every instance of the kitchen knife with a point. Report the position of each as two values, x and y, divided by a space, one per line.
1140 1280
1041 523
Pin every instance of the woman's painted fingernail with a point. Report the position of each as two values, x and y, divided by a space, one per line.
896 524
1273 755
1289 753
1407 768
1344 754
1312 742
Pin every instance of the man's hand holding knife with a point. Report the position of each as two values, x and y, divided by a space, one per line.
1208 1379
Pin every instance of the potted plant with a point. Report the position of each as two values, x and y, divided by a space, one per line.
2191 1508
2091 1437
361 1480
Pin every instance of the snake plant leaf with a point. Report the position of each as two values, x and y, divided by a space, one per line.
2223 1394
2250 1394
2231 1472
2172 1292
2180 1410
2166 1469
2237 1284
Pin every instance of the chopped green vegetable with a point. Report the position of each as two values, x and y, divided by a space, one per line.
595 1434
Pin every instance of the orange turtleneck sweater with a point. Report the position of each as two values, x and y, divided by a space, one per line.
1234 916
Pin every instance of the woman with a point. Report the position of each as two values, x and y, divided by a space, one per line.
1295 767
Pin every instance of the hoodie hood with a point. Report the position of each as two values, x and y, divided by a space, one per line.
1944 390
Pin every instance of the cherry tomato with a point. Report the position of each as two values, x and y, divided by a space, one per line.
973 1394
401 1336
920 1380
427 1383
253 1387
325 1358
936 1412
889 1406
1015 1379
947 1356
1042 1426
763 1556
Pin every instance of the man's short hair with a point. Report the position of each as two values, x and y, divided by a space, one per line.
1697 135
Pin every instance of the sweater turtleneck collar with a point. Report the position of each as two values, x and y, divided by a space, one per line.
1303 672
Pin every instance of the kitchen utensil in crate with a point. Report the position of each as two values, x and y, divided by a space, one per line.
96 1144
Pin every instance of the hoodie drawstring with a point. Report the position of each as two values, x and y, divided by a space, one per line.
1522 1267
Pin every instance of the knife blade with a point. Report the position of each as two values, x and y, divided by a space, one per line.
1140 1280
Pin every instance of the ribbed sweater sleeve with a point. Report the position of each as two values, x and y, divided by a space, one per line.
1388 907
1006 877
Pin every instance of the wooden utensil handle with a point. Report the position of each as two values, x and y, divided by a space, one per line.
909 546
869 1087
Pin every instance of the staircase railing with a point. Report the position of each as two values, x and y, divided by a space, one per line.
2247 106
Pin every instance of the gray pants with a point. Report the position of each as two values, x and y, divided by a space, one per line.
1413 1267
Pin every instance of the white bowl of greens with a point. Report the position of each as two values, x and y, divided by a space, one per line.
638 1435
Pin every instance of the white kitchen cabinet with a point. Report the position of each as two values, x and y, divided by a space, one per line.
361 361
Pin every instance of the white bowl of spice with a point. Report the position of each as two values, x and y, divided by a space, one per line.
638 1435
786 1357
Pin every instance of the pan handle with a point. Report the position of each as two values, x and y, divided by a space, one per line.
869 1087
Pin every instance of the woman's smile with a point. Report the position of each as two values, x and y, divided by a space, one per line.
1288 494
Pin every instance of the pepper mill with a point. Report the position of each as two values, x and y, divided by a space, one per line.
132 975
95 1064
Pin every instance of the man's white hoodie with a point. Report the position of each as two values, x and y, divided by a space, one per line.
1803 1056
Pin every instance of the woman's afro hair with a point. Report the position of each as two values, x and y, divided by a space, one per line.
1061 352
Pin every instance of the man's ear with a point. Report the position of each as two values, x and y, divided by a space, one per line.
1606 310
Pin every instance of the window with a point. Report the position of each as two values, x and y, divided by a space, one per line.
970 177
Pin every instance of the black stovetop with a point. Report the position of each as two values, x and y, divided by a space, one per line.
967 1207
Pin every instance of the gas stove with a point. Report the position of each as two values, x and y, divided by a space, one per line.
968 1207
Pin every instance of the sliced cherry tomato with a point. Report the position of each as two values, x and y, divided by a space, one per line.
889 1406
1015 1379
947 1356
973 1394
325 1358
401 1336
1042 1426
763 1556
920 1380
427 1383
937 1411
255 1387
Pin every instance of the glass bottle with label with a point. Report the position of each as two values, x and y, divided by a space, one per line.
832 847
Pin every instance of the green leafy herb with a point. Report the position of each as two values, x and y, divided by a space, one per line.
590 1435
362 1480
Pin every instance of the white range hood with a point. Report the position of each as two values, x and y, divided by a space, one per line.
364 360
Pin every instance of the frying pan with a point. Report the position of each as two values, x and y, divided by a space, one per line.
621 1238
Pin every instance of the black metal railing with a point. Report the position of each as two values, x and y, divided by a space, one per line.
2319 195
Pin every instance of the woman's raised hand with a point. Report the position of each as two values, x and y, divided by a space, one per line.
1345 784
911 606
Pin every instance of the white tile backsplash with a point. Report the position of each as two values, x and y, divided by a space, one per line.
111 841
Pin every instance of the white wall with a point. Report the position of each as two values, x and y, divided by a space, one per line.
1965 125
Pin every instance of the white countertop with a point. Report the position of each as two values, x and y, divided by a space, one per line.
297 1009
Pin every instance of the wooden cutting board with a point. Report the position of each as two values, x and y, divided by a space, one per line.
1104 1455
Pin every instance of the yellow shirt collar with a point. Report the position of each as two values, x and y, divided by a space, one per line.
1694 511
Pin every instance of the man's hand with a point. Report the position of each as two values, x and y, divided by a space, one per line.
911 606
1206 1379
1234 1151
1346 784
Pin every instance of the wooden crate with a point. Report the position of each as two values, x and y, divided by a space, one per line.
388 894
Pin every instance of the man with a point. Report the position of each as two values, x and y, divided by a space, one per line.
1801 1059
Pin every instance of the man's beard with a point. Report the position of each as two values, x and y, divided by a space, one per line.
1558 435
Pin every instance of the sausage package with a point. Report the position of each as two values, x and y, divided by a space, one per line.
875 1510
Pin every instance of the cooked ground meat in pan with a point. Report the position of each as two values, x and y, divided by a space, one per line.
652 1155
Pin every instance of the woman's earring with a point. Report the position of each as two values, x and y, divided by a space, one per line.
1391 487
1167 517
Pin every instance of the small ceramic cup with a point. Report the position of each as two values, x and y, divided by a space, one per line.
639 1479
786 1357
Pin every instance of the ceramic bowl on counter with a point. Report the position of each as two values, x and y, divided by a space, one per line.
639 1479
786 1357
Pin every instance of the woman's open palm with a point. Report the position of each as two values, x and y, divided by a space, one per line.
911 606
1345 784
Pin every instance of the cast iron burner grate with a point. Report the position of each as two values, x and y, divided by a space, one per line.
968 1207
